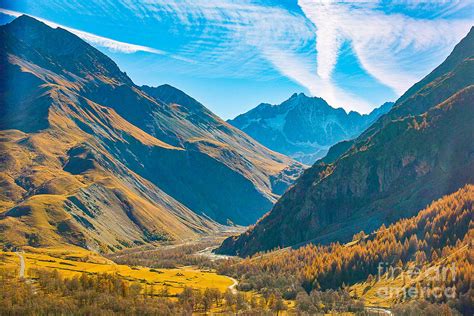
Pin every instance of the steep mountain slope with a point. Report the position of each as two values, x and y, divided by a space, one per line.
392 170
439 236
89 158
304 127
207 131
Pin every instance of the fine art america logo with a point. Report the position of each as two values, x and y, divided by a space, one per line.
430 283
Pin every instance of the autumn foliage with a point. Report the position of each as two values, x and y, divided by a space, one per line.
441 232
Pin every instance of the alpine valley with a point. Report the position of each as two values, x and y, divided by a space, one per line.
126 199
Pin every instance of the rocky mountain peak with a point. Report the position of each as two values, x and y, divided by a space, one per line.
58 50
303 127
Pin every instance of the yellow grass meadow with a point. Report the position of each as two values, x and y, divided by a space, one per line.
73 262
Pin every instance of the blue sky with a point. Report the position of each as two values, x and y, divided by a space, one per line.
233 54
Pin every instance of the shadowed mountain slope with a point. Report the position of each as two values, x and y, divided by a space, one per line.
422 149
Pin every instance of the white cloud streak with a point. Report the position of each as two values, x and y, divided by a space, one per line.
113 45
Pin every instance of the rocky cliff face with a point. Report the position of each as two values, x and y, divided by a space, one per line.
304 127
90 158
420 150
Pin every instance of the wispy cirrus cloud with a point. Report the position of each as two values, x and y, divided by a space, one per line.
394 48
228 34
244 38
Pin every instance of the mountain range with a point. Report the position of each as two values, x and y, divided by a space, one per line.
422 149
91 159
303 127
